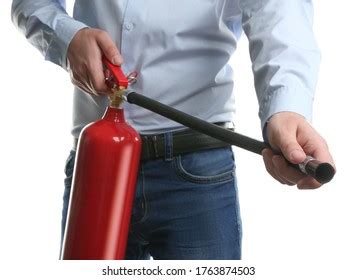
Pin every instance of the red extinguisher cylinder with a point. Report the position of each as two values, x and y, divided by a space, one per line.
103 190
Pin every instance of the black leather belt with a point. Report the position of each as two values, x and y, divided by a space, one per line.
183 141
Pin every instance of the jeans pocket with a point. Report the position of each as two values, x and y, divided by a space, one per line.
207 166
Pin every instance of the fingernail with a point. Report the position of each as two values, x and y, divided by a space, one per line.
116 60
297 155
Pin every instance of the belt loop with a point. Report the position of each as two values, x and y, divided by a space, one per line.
155 146
168 146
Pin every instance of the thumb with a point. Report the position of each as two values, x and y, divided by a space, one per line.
109 49
290 148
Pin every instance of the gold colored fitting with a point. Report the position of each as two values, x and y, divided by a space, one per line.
116 98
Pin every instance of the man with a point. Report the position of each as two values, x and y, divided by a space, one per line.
186 205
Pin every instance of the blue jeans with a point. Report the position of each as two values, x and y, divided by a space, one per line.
186 207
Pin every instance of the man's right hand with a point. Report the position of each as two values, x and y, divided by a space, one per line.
84 56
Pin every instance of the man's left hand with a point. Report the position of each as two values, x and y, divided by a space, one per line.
290 134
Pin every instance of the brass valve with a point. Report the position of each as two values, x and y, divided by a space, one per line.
117 96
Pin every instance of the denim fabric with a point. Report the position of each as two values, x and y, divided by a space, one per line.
186 207
68 171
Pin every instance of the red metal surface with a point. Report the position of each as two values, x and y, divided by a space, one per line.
116 76
103 189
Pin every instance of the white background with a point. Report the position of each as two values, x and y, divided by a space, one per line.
302 234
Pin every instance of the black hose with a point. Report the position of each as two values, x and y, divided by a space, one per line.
322 172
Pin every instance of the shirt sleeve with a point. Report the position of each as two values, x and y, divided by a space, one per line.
285 57
47 26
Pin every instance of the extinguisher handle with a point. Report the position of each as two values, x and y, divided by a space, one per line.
323 172
116 76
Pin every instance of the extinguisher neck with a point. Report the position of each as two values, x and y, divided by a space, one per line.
114 114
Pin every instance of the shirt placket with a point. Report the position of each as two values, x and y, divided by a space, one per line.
130 30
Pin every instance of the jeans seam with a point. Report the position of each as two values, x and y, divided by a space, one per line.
144 216
238 215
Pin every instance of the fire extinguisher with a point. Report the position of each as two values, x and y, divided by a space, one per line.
104 181
106 169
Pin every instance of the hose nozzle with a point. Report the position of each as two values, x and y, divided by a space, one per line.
323 172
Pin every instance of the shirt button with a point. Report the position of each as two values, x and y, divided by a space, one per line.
128 26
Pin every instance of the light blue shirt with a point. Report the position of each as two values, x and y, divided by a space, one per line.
181 50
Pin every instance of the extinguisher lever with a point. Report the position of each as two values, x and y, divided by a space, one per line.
114 77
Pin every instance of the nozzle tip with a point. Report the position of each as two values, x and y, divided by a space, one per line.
324 172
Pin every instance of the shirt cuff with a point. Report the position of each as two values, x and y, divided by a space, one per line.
64 32
292 98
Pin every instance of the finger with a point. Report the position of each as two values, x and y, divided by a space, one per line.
316 147
267 155
92 89
290 148
78 81
81 79
81 86
97 82
319 150
308 183
79 75
109 49
95 73
285 171
97 79
279 174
